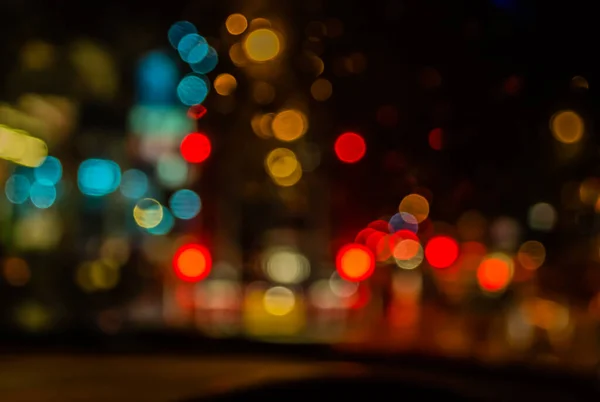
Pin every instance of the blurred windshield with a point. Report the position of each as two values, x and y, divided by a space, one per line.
398 175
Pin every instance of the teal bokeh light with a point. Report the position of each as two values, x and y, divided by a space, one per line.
49 172
178 30
98 177
193 48
208 63
17 188
165 225
42 195
134 184
192 89
185 204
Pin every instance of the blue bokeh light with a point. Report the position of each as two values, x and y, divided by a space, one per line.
98 177
178 30
42 195
193 48
17 188
185 204
165 225
208 63
403 221
134 184
49 172
192 90
157 77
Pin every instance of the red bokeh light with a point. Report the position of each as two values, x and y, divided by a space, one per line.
399 236
350 147
355 262
373 240
195 148
196 112
363 235
436 139
379 225
192 263
441 251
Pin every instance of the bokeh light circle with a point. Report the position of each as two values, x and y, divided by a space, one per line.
350 147
289 125
178 30
531 255
49 172
134 184
148 213
355 262
42 195
279 301
403 221
208 63
185 204
17 188
415 205
165 225
192 90
495 272
567 126
236 24
195 148
262 45
98 177
192 263
441 251
193 48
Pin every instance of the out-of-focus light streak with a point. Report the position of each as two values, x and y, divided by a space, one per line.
19 147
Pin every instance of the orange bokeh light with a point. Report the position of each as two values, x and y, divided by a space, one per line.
494 273
192 263
355 262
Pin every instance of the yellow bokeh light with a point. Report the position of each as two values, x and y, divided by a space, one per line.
262 45
19 147
225 84
236 24
567 126
291 179
289 125
321 89
148 213
257 23
531 254
286 266
281 163
279 301
416 205
104 274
